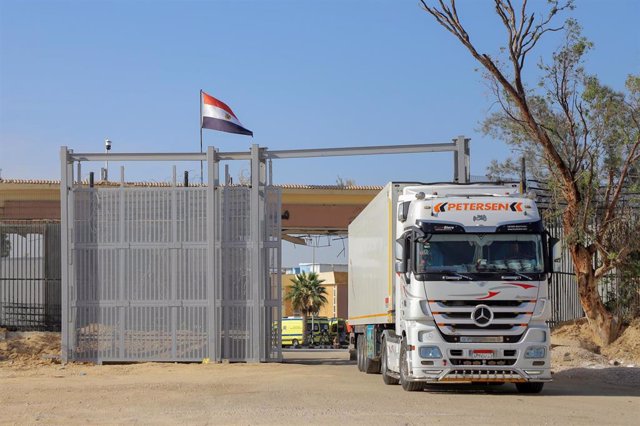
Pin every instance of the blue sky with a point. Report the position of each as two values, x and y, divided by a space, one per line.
300 74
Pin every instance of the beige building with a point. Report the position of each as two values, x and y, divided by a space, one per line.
336 286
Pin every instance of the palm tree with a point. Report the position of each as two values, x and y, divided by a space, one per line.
307 295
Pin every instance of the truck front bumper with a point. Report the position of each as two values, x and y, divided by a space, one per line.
479 375
507 362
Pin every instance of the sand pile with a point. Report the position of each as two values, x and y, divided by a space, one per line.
32 348
626 349
572 345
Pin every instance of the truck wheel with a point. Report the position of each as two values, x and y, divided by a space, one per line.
404 371
530 387
369 365
386 378
360 351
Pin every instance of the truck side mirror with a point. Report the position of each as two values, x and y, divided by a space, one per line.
556 249
403 211
402 265
555 252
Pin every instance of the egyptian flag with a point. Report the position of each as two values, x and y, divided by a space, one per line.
217 115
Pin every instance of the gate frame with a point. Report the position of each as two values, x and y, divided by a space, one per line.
257 156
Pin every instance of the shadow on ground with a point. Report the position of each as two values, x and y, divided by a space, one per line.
572 382
610 381
317 357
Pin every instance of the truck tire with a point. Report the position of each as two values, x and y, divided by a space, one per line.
369 365
404 371
530 387
360 351
386 378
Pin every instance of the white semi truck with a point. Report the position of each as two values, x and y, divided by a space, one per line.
449 283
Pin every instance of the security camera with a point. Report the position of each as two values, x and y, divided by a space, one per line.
107 144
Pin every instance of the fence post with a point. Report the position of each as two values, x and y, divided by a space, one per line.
257 237
64 242
213 251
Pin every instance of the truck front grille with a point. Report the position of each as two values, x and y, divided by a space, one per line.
508 317
487 362
456 338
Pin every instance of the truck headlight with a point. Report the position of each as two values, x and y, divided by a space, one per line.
430 352
535 352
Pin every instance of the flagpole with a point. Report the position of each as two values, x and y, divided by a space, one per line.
201 169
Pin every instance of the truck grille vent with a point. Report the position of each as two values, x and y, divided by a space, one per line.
475 327
474 303
508 317
505 339
487 362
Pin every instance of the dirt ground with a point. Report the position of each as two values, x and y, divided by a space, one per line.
314 387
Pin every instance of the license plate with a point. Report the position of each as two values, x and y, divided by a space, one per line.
482 354
480 339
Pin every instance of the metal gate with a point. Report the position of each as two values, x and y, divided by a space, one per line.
170 273
563 287
140 268
30 275
250 302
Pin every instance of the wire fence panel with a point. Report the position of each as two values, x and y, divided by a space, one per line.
30 275
235 282
563 287
140 265
272 316
239 307
140 268
619 292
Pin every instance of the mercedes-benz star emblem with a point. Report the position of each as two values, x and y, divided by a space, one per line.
482 315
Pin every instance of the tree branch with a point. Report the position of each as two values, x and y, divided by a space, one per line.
448 18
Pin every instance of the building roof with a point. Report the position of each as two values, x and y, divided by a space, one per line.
167 184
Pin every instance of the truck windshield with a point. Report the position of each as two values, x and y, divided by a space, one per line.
520 253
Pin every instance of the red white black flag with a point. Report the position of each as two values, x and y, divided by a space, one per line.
217 115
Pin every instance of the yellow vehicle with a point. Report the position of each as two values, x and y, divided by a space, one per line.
292 331
321 334
317 331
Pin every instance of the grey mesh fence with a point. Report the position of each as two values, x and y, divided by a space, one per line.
250 309
30 275
235 301
619 290
170 273
272 296
140 268
563 287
